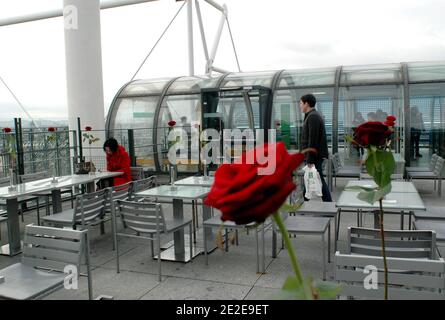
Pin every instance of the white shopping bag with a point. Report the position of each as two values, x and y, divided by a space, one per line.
312 182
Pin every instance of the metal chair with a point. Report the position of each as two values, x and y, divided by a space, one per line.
143 184
425 279
430 167
343 171
48 255
148 222
416 244
137 173
89 210
436 175
216 222
303 225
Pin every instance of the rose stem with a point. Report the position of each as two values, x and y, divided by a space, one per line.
382 236
289 247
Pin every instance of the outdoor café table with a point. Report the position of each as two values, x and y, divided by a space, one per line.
196 181
396 186
37 186
179 252
399 201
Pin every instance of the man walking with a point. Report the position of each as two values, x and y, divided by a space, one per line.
314 136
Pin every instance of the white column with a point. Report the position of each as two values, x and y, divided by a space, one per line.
84 64
190 37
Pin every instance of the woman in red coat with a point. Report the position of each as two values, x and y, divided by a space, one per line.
117 160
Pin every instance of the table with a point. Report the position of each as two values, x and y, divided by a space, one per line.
399 199
38 186
396 186
179 252
196 181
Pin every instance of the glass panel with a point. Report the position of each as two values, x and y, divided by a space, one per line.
307 77
390 73
186 111
288 119
427 130
426 71
368 103
144 87
249 79
136 113
192 84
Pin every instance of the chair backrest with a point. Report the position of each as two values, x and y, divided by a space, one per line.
439 166
433 161
53 248
144 184
4 181
142 217
398 243
90 206
408 279
28 177
137 173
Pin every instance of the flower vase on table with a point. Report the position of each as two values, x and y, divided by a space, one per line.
12 186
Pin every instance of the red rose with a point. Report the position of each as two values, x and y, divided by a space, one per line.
88 128
372 133
6 130
390 120
51 129
244 196
171 123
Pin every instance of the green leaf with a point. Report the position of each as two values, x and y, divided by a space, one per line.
372 196
327 290
294 290
380 165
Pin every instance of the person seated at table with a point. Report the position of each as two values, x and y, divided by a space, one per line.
118 160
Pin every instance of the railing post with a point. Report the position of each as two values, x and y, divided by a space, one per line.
19 151
79 135
131 152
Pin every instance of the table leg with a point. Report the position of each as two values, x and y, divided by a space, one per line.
207 214
338 230
178 213
57 200
14 247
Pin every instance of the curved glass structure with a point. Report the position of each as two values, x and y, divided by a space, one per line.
346 96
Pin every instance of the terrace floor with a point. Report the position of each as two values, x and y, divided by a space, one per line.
229 275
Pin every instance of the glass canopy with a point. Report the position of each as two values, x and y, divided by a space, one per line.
346 96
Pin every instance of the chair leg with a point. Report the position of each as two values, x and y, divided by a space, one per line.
329 243
257 253
72 200
152 248
191 243
193 221
236 237
205 246
159 257
324 256
226 242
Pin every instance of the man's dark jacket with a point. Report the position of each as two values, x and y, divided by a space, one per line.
314 136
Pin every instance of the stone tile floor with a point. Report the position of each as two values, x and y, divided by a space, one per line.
229 275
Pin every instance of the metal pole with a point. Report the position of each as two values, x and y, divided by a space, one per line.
131 151
190 37
59 12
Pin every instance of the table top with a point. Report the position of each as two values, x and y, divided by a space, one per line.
181 192
393 200
46 184
396 186
196 181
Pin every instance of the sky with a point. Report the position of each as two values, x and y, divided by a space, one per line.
268 35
